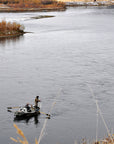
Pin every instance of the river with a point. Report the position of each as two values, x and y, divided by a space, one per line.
67 58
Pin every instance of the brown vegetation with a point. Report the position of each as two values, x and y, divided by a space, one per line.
10 29
33 3
19 140
108 140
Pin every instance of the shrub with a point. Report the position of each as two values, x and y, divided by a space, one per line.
8 28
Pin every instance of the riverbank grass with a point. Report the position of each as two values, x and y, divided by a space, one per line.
32 5
10 29
23 139
36 4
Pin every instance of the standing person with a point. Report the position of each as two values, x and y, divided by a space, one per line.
36 101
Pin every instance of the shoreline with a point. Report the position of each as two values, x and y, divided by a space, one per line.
97 3
67 4
13 35
32 9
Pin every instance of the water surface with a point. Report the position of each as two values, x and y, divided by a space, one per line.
70 51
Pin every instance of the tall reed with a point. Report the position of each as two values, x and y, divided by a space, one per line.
23 139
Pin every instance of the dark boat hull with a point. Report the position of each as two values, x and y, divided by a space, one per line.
27 114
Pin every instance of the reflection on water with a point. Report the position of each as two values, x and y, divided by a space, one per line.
27 119
7 40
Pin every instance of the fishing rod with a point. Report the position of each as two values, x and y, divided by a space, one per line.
100 113
45 113
45 122
10 111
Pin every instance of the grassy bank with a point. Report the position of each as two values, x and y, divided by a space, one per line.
47 5
8 29
31 5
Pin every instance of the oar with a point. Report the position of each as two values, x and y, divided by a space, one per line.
45 113
10 111
12 107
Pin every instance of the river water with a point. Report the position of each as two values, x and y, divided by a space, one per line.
67 59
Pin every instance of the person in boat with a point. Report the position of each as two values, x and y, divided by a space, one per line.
37 100
27 106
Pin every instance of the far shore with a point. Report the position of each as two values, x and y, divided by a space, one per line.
14 33
32 7
75 3
90 3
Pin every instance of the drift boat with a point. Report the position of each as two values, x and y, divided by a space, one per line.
25 112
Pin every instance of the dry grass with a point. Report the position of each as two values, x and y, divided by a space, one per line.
23 139
8 28
81 0
33 3
108 140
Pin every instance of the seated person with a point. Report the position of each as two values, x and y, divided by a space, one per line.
27 106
